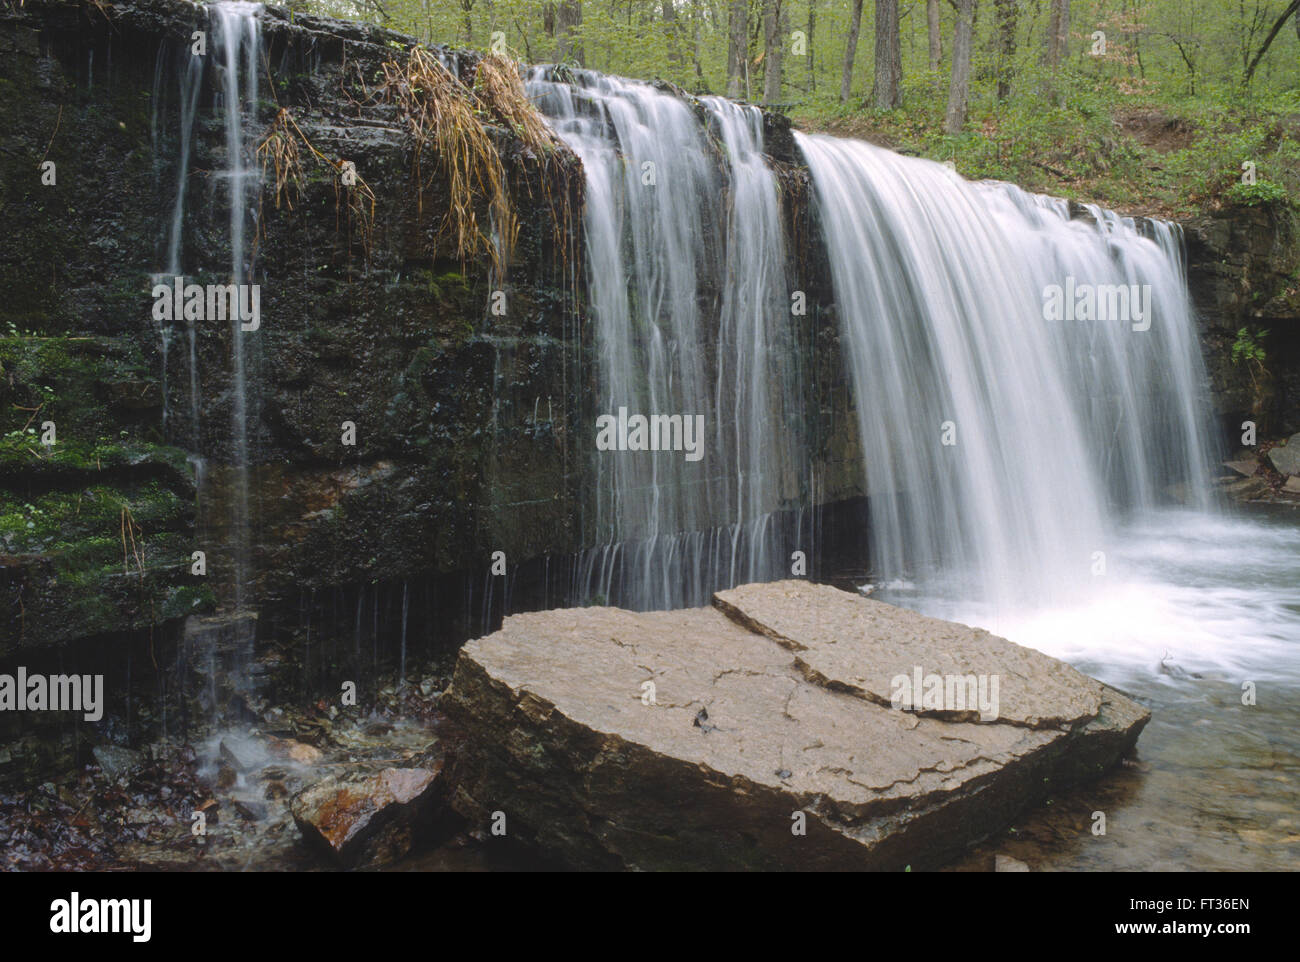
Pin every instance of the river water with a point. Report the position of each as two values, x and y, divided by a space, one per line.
1192 608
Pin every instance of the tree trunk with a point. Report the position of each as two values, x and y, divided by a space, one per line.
936 37
851 51
773 50
1058 32
467 7
887 88
737 45
1292 8
1006 17
695 45
812 27
672 30
568 24
959 89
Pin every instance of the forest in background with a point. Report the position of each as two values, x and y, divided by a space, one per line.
1144 105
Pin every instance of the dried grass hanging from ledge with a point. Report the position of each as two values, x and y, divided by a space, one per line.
441 117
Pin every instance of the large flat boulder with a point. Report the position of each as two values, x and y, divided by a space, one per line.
770 734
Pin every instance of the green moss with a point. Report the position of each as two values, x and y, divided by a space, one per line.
72 381
60 520
23 459
185 600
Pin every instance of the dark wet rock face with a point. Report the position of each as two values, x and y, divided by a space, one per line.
762 741
466 421
1241 271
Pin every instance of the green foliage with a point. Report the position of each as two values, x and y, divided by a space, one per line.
1249 347
1260 192
1162 121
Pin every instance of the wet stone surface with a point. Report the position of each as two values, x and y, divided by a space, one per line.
735 738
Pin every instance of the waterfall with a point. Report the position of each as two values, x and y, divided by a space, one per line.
237 45
191 82
755 337
1002 448
234 55
683 240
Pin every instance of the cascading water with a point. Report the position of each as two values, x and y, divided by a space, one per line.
761 436
1048 518
670 260
191 82
1043 521
997 442
237 41
235 48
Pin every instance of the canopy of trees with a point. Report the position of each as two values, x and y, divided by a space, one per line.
957 67
789 49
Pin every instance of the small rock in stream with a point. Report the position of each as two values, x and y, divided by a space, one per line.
368 821
116 762
229 758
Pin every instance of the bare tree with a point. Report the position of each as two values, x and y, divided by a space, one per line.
1058 32
887 88
1006 11
812 29
773 51
851 51
959 88
467 7
935 36
1186 49
1292 9
737 45
672 32
568 25
696 17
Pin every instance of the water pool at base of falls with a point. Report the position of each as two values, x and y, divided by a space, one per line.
1192 608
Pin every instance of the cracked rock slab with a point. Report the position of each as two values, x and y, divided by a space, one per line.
746 735
862 646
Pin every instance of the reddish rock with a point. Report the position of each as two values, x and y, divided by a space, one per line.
368 821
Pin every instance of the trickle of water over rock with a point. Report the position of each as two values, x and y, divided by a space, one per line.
237 41
234 57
